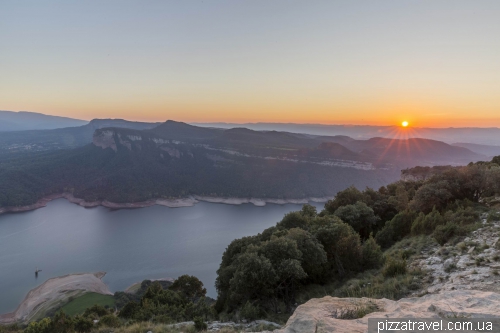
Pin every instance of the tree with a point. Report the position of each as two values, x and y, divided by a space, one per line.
254 278
432 194
349 196
308 211
359 216
342 246
189 286
293 220
400 199
313 253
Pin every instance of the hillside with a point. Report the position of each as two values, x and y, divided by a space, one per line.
61 138
24 120
177 160
480 149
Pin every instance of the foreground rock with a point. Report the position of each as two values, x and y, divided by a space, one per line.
318 315
215 326
55 292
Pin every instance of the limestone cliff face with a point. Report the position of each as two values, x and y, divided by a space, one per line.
104 139
110 138
318 315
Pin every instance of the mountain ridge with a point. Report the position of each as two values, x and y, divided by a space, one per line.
27 120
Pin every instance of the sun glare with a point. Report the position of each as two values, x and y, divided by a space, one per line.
404 124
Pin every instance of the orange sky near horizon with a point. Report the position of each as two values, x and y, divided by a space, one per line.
293 114
434 64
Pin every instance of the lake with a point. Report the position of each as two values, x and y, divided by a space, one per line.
129 244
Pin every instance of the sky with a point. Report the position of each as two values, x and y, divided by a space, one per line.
433 63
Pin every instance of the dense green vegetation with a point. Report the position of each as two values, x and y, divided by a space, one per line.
268 271
96 174
358 246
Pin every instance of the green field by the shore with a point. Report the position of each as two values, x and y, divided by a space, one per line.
79 304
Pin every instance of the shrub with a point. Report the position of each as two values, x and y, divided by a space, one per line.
493 217
462 216
129 310
394 266
199 324
444 233
372 254
95 311
110 321
425 224
396 229
249 311
83 325
42 326
354 312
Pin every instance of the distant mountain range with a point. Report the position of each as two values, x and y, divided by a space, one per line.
484 136
61 138
24 120
21 131
144 161
480 149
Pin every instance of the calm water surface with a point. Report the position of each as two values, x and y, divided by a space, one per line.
130 245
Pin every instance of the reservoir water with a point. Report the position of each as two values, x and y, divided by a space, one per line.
129 244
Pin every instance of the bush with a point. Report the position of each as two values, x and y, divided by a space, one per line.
372 254
394 266
42 326
250 312
199 324
493 217
96 311
444 233
462 216
425 224
110 321
396 229
83 325
129 310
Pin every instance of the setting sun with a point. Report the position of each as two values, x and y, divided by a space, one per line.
404 124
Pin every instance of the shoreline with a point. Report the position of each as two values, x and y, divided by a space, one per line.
53 292
172 203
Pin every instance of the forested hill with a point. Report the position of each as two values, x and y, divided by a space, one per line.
61 138
176 160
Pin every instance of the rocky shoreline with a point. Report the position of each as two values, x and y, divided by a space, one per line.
53 292
172 203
